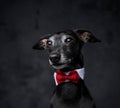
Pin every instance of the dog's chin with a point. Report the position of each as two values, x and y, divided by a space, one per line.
61 66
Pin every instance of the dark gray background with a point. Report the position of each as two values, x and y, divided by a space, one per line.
26 79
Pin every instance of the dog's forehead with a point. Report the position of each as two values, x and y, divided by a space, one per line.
61 36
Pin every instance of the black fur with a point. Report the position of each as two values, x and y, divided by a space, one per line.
68 94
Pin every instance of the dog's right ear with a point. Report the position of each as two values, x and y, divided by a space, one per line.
42 43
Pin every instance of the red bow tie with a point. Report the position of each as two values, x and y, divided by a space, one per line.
72 77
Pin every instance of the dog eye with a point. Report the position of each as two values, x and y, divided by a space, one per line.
49 42
68 40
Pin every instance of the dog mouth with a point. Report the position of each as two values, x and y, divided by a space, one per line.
60 65
57 64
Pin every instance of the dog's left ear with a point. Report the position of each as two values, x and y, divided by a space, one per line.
86 36
42 43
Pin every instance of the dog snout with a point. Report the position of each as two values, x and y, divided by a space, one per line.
55 58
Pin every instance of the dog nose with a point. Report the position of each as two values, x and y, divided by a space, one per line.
55 58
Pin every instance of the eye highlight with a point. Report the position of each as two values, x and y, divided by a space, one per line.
68 40
49 42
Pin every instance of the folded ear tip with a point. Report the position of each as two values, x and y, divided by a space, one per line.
37 47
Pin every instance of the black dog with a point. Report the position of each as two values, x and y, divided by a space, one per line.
65 56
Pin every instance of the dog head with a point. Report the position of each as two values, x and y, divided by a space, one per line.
65 47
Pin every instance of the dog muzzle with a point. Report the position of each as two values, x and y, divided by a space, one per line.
71 76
